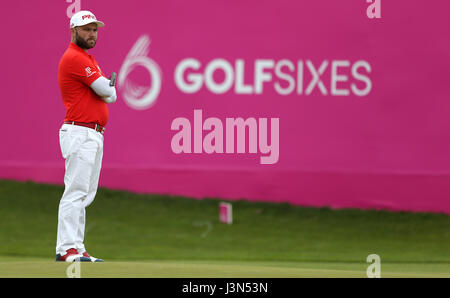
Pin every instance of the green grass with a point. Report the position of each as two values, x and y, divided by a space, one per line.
14 267
137 234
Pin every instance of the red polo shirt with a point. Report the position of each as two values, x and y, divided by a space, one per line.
77 71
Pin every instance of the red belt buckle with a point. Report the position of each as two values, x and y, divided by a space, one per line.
99 128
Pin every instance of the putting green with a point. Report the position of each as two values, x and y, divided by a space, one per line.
39 268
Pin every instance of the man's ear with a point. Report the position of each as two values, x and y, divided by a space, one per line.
72 33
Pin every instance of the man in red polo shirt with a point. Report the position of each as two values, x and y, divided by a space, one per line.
85 93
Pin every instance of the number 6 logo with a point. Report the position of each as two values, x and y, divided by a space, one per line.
138 97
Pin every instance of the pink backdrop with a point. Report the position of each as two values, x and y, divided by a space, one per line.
386 147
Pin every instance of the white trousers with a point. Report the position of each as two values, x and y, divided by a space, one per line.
82 149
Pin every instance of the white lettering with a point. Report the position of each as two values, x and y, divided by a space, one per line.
260 75
240 87
286 79
338 78
209 73
284 76
194 81
360 77
316 77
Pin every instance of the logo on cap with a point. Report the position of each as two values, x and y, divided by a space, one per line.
88 16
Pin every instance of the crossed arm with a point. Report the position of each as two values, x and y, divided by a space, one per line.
102 88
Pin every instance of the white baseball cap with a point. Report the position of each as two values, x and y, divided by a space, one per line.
84 17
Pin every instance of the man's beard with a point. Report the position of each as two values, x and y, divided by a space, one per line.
83 43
